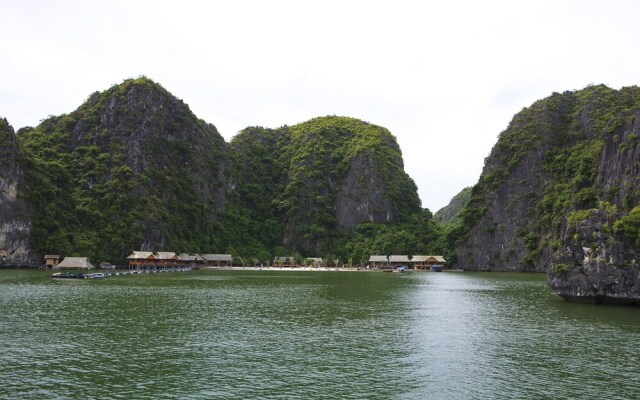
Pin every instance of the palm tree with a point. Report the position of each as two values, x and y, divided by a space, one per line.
308 262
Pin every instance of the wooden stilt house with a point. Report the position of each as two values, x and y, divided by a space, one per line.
217 260
399 261
51 261
166 259
141 259
428 262
284 262
379 262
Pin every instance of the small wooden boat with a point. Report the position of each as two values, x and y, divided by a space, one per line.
80 275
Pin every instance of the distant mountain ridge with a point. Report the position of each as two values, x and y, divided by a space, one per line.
451 212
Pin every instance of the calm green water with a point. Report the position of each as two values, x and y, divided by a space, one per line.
310 335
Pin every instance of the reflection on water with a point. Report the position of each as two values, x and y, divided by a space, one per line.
267 334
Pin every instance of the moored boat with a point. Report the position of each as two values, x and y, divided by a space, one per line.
69 275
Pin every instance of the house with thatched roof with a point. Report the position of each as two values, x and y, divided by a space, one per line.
419 262
436 260
415 262
284 262
188 260
51 260
426 262
315 262
139 259
199 260
378 262
217 260
399 260
75 263
165 259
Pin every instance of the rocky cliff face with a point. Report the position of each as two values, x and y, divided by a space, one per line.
502 204
15 226
596 262
325 176
595 265
153 129
131 168
344 172
562 159
354 205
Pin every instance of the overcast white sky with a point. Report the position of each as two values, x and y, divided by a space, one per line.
445 77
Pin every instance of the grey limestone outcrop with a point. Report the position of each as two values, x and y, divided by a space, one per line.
15 226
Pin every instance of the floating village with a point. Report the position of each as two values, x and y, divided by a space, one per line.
141 262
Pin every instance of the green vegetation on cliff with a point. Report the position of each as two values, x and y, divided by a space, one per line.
450 214
305 188
133 168
566 153
5 131
253 220
7 142
629 226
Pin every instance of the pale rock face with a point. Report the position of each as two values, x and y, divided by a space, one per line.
355 205
595 264
14 249
9 191
604 268
497 242
14 225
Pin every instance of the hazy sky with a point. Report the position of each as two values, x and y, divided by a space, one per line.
445 77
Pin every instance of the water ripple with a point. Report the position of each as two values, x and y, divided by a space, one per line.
230 335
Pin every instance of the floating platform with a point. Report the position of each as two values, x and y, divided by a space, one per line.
68 275
93 275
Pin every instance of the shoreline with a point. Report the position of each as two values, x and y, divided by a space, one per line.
312 269
271 268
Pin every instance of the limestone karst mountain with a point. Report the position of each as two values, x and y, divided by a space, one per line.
134 168
559 193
